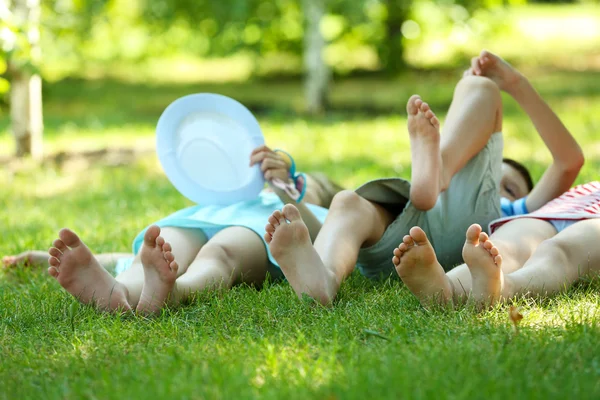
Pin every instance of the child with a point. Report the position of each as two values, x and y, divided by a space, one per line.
458 179
539 253
214 245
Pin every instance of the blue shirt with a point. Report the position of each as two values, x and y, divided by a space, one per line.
510 209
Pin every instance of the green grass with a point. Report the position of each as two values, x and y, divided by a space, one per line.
376 341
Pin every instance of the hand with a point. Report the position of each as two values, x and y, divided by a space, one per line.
272 164
491 66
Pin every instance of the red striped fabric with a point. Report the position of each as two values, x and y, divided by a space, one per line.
580 202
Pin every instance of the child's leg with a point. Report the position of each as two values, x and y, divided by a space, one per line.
318 271
474 115
558 262
516 241
185 245
233 255
419 269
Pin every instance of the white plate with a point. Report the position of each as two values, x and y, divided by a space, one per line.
204 142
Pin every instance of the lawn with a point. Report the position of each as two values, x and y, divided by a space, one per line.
375 341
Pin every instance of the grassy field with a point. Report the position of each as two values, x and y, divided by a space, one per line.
376 341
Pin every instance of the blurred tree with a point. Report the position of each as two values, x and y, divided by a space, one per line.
317 77
390 49
26 84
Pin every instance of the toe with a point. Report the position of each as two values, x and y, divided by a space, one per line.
277 217
53 272
270 228
407 240
424 107
174 266
69 238
418 235
498 260
486 245
167 247
412 107
396 260
54 252
435 122
429 114
160 242
403 248
291 213
473 234
483 237
494 251
59 245
268 237
151 235
169 257
53 261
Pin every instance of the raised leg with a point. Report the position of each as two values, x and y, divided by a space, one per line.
474 115
234 255
318 270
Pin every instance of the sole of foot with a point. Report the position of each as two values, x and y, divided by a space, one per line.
160 272
76 269
289 241
485 263
419 269
426 159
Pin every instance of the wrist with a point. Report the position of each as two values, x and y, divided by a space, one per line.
519 86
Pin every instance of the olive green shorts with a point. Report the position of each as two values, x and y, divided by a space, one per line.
472 197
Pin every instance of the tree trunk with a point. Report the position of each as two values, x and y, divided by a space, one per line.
26 87
391 49
316 80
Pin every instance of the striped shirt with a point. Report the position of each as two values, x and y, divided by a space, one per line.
579 203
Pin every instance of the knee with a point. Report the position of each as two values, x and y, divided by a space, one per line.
220 253
479 85
346 200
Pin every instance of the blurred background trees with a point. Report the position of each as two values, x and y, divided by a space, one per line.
314 40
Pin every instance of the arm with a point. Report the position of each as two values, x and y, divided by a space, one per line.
273 167
39 258
567 157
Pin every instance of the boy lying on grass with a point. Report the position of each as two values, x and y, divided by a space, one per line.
458 179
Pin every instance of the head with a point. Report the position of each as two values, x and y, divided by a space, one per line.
516 181
320 189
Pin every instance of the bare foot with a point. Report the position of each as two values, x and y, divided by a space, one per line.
77 270
31 258
485 263
290 245
160 272
420 270
424 132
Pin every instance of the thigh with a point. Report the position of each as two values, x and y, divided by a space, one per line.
518 239
579 245
239 251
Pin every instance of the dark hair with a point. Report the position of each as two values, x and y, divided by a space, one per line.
522 170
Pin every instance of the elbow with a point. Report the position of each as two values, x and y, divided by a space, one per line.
575 163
